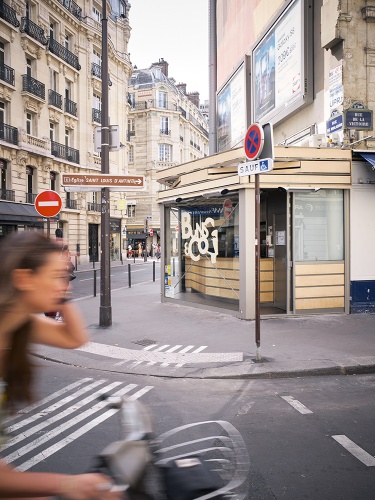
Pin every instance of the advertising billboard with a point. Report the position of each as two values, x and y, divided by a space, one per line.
232 109
282 64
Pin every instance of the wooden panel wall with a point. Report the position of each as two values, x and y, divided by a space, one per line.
319 286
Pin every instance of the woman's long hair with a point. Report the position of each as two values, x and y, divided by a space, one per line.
24 250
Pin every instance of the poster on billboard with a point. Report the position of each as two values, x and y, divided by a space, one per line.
280 66
232 115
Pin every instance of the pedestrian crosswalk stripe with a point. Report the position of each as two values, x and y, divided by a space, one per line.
95 411
49 398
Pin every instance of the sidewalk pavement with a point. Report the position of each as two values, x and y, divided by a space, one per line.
178 340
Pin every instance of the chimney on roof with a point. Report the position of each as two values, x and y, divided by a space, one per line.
194 98
182 87
163 65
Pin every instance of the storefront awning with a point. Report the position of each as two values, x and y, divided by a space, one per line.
370 157
140 236
19 212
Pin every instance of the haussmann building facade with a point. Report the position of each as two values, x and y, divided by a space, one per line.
308 69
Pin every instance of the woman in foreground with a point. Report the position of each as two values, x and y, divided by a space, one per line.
33 280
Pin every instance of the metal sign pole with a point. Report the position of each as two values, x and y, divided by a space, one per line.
105 310
257 267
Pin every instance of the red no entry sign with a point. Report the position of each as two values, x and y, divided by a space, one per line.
48 203
254 140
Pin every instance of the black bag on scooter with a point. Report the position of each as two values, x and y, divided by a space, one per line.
190 478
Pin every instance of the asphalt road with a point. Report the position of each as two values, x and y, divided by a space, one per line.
310 438
140 272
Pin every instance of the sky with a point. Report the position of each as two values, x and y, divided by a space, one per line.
176 31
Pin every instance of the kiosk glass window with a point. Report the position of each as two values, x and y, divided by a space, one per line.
319 225
202 251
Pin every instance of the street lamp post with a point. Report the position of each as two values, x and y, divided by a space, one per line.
105 312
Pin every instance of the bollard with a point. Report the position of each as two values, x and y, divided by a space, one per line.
93 263
129 276
94 282
153 271
173 267
76 262
134 257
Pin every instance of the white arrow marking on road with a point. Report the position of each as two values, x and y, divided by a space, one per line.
355 450
296 405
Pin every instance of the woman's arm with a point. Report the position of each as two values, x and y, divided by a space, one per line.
71 333
16 484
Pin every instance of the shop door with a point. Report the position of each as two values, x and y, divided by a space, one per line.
281 261
93 242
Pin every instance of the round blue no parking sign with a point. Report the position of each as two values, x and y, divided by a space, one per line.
254 140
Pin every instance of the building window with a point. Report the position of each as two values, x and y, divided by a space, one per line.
52 131
67 137
164 125
2 112
122 8
2 53
131 155
97 57
97 101
67 42
53 178
29 179
53 80
165 152
162 100
52 31
29 123
131 210
319 225
28 67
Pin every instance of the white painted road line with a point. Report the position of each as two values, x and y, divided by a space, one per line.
296 405
355 450
49 398
70 423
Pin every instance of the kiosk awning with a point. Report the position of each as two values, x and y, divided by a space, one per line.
370 157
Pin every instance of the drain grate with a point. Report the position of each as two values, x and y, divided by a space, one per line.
144 342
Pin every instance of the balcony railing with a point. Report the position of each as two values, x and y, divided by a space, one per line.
72 7
164 131
182 111
54 99
7 74
29 84
8 133
96 70
72 204
7 194
152 103
30 197
63 53
64 152
70 107
94 207
33 30
8 14
96 115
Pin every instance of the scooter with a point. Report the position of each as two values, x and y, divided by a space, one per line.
149 468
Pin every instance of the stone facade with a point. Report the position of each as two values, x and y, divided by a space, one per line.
50 104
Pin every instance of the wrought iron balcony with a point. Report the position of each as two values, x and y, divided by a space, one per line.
72 7
8 133
96 115
7 74
72 204
33 30
63 53
64 152
54 99
164 131
94 207
30 197
29 84
7 194
70 107
8 14
96 70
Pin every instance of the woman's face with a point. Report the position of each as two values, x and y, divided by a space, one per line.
43 289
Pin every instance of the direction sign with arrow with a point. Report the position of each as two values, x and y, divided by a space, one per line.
98 181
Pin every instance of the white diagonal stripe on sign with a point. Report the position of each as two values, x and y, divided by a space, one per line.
61 428
52 408
49 398
78 433
60 415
